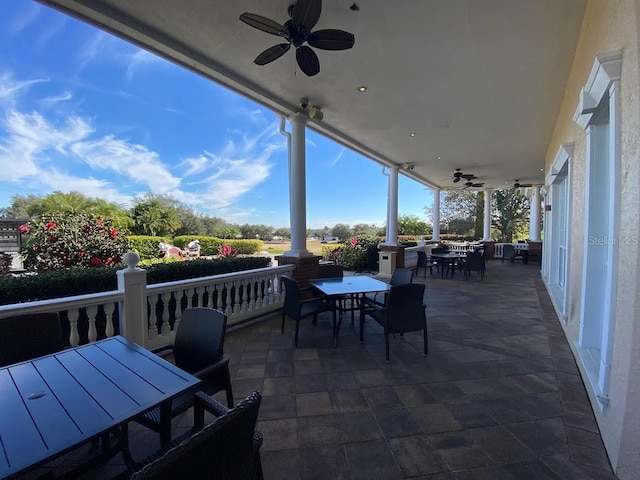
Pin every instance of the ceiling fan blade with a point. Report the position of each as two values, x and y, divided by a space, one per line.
331 39
456 180
272 53
307 61
306 14
264 24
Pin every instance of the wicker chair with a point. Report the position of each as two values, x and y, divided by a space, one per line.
198 349
25 337
297 308
474 263
400 276
228 448
403 311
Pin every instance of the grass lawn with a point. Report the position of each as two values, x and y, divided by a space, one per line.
275 248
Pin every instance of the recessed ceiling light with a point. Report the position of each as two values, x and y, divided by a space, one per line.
412 134
542 169
362 88
439 157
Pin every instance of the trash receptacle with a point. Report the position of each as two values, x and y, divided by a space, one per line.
387 262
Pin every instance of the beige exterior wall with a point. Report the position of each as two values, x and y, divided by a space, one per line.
610 25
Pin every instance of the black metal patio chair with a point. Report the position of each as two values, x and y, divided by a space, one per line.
423 262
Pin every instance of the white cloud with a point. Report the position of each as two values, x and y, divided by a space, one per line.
140 59
135 162
335 161
192 166
10 88
62 97
99 46
28 13
54 180
227 176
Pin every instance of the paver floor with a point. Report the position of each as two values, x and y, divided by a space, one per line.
498 397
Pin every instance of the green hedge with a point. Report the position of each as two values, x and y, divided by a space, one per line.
210 245
145 246
65 283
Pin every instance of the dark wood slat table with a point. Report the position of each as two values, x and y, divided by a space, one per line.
55 403
355 285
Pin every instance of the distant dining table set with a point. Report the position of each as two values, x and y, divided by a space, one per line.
53 404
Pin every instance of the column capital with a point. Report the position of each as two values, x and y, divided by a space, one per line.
298 118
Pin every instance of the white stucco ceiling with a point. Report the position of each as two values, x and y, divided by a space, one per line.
478 81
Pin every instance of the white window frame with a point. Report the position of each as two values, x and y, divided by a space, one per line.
559 178
595 354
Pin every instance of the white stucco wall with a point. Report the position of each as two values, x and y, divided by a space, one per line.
610 25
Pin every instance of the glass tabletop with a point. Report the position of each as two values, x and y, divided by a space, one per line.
349 285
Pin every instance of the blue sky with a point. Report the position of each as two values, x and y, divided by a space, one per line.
82 110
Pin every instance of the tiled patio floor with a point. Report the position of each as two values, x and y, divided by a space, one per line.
498 397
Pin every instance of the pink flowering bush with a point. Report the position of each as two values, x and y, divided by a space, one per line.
226 251
58 241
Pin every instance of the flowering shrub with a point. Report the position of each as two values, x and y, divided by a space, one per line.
59 241
359 253
226 251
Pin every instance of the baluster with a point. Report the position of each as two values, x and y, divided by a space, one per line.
165 313
237 302
154 318
228 310
189 293
257 293
219 289
254 301
109 310
74 336
178 319
208 296
92 334
246 294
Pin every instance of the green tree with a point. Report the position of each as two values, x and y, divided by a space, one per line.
229 231
510 213
364 229
156 215
342 232
412 225
71 203
284 232
462 212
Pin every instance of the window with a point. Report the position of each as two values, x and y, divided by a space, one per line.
598 114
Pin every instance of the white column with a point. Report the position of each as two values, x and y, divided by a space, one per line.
534 215
297 189
487 214
392 208
436 214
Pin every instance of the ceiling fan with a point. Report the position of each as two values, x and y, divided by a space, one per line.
458 175
304 15
470 184
517 184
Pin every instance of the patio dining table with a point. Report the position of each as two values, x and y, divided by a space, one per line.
355 286
450 259
55 403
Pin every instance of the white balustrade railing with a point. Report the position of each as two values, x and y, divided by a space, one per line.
519 247
150 314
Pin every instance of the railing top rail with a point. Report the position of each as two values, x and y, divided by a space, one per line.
59 304
166 286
